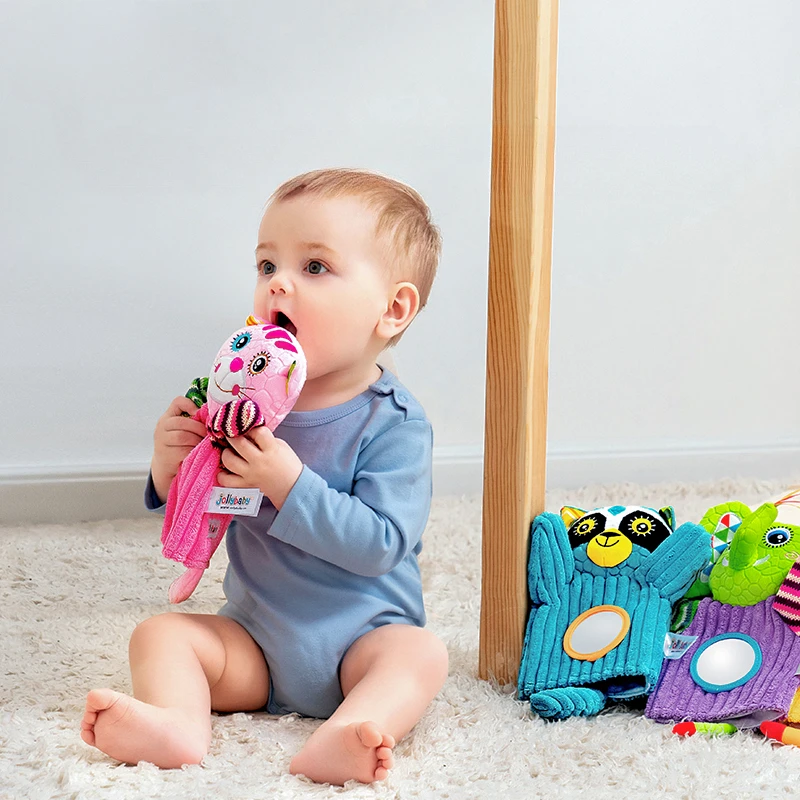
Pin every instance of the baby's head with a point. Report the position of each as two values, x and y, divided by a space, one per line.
346 259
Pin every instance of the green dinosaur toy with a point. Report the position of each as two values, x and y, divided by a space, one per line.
757 559
752 552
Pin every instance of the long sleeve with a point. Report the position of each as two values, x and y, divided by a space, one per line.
372 529
151 501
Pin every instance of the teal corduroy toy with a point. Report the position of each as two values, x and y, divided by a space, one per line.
602 584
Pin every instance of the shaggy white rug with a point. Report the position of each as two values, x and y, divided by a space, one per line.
72 594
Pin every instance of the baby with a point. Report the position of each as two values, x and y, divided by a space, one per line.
324 613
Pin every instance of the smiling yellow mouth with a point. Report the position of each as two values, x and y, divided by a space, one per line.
600 552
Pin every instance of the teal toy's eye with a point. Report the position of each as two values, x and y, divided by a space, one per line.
777 537
642 526
240 342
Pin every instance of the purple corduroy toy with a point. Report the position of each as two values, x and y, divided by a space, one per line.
738 659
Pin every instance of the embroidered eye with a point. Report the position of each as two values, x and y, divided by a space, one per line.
777 537
585 528
641 526
258 364
240 342
644 530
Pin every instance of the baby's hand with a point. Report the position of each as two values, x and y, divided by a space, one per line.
260 460
175 437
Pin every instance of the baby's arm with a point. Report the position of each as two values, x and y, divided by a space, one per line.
174 438
370 530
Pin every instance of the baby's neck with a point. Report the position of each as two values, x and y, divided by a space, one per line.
335 388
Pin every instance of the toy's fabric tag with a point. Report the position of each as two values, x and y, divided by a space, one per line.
676 644
242 502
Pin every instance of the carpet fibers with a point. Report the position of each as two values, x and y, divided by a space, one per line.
71 596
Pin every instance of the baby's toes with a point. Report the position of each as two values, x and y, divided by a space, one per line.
87 727
388 741
385 757
369 734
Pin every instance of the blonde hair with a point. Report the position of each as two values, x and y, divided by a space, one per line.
403 219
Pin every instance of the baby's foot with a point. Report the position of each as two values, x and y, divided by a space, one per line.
339 753
132 731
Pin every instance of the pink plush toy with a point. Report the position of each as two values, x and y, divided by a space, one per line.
256 379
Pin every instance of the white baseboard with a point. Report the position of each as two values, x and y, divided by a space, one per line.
72 494
459 470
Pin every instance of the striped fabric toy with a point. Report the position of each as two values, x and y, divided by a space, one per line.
787 599
255 380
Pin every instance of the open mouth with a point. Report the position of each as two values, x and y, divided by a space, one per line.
284 322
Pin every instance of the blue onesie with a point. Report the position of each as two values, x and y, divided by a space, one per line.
340 558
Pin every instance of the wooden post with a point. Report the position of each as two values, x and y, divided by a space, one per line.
520 245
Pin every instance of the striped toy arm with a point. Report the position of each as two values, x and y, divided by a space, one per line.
198 391
235 419
787 599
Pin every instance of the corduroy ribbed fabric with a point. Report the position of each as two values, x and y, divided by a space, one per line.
563 584
765 696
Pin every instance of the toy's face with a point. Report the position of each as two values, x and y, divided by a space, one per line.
260 362
757 560
611 535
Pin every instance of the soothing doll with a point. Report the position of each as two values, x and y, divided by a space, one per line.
740 665
255 380
602 585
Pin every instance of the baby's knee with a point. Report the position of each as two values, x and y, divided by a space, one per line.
155 629
435 655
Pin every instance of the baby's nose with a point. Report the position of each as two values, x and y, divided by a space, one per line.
236 364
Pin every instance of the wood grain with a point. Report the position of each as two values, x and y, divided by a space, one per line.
520 245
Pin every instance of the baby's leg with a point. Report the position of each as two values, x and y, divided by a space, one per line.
389 677
183 666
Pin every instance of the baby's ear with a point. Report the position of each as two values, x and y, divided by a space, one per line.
400 310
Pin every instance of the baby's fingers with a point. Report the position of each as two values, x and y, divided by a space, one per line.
192 426
232 461
182 439
181 405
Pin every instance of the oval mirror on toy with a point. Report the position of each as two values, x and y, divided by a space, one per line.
725 662
596 632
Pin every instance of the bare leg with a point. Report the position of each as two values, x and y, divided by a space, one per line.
183 666
389 677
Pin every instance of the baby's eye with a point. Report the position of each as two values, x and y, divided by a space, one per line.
267 268
316 268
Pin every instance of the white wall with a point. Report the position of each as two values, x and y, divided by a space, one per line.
141 139
676 287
